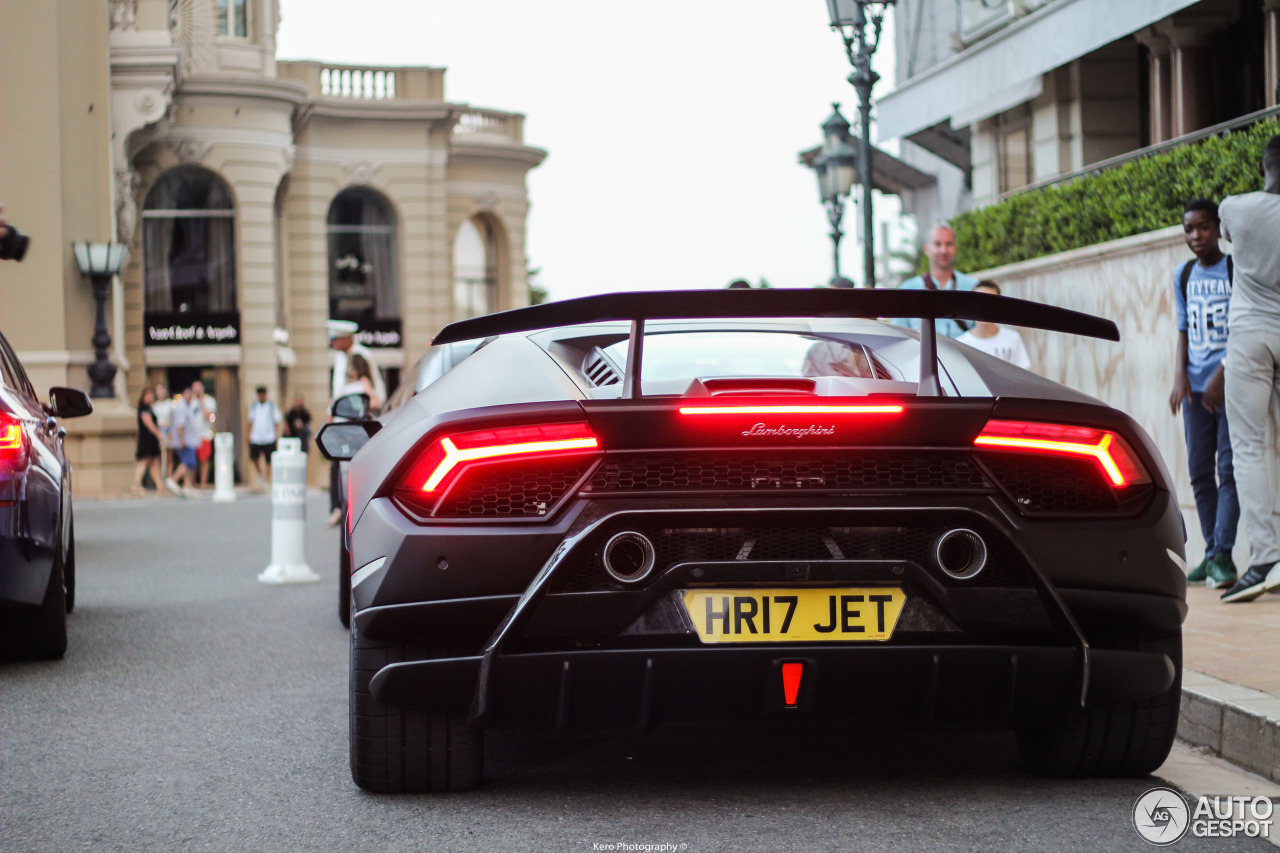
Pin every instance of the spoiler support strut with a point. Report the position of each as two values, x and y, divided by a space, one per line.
928 386
635 354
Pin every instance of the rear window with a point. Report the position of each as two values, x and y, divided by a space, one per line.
709 355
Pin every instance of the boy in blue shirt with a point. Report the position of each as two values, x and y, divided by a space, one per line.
1202 293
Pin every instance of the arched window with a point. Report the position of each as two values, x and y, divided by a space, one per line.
189 244
475 271
362 257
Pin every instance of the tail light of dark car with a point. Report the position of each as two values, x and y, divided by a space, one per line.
1063 468
13 443
508 472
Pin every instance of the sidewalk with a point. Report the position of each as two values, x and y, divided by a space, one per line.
1231 679
1231 669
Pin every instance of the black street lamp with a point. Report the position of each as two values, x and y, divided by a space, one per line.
851 17
835 167
100 262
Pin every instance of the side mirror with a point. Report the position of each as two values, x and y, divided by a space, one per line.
340 441
68 403
353 407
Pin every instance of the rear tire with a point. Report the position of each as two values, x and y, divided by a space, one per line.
394 750
1123 740
38 633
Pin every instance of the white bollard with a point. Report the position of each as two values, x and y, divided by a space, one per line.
224 475
288 516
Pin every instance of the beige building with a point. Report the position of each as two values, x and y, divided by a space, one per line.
994 97
257 197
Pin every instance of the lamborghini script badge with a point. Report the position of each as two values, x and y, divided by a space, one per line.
793 432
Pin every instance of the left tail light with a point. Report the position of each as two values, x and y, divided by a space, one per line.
506 472
13 442
1113 456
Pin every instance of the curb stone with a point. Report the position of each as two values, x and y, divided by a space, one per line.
1240 724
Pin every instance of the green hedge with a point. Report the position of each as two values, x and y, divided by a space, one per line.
1142 195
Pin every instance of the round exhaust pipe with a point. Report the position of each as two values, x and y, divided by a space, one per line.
960 553
628 557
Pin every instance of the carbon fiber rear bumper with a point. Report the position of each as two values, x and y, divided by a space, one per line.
1007 687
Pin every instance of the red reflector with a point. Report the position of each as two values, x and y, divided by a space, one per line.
791 673
791 410
1110 451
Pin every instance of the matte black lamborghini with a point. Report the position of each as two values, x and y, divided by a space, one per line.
628 509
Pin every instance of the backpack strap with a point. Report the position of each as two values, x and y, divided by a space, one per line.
1185 276
1231 271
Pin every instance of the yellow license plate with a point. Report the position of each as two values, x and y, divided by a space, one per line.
787 615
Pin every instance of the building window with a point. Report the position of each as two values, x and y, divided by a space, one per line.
233 18
475 271
189 244
1013 149
362 257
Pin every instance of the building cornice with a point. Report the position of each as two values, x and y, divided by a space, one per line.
525 155
244 86
389 109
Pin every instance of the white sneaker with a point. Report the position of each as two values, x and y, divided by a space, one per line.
172 486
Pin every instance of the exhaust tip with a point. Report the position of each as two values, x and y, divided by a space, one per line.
628 557
960 553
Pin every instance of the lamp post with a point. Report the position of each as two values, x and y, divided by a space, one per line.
851 17
835 170
100 262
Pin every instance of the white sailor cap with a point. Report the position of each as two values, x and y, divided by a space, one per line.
340 329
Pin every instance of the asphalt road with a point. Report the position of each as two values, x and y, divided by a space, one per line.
200 710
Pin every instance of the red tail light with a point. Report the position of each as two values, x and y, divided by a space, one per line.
445 463
1112 453
13 442
802 409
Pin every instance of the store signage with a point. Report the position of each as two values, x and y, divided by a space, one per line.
191 329
380 334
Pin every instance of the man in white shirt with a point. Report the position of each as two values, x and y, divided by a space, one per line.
994 339
204 409
265 422
1251 222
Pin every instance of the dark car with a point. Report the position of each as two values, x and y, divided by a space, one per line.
436 362
37 533
628 510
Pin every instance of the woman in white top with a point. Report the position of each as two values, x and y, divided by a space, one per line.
360 380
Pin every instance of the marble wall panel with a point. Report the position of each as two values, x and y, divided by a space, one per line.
1129 281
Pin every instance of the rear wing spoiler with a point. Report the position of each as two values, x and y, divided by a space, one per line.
927 305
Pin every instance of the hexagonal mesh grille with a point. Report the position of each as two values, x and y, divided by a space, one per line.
512 489
1057 484
743 472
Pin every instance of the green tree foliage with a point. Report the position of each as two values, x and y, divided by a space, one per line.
1142 195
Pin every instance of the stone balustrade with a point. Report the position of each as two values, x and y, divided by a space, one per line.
366 83
477 122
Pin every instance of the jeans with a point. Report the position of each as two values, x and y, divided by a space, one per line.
1253 391
1215 490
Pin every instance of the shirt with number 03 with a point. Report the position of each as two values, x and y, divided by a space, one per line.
1202 314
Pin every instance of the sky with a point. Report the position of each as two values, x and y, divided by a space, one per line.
672 127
